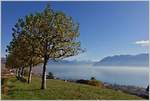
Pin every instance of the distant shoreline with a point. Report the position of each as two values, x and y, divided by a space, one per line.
130 89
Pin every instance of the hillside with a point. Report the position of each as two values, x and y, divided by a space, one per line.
57 89
125 60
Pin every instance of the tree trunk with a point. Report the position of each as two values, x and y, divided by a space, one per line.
30 74
43 85
22 72
147 89
19 72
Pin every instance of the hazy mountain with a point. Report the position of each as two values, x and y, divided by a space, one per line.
117 60
125 60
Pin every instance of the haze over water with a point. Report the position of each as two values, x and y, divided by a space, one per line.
137 76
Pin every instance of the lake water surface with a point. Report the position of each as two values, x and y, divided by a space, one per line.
137 76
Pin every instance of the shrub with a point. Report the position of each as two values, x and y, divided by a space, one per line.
93 78
96 83
50 75
82 81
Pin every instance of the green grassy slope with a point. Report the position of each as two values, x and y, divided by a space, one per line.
57 89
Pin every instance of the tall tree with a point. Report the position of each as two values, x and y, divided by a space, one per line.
15 48
23 47
57 35
46 35
32 42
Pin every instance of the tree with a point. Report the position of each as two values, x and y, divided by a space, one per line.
23 47
32 42
12 62
93 78
15 57
43 36
57 37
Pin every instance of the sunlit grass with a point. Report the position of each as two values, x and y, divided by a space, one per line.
57 89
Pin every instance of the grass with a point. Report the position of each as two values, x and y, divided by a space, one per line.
60 90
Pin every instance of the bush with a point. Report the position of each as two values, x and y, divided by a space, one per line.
93 78
50 75
96 83
82 81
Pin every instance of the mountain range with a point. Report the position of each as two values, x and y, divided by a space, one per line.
125 60
116 60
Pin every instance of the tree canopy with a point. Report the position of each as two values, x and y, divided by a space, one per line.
42 36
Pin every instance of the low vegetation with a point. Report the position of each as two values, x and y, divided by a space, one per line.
95 83
50 75
58 89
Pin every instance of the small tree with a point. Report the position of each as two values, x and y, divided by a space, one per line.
93 78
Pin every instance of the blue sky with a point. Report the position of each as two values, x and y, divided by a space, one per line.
106 28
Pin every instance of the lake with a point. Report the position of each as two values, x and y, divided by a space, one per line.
136 76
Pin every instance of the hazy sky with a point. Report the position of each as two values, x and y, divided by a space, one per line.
106 28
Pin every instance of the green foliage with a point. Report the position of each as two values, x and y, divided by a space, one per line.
50 75
57 89
56 34
93 78
42 36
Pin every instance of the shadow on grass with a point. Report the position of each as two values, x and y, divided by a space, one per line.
11 92
14 80
23 80
11 86
26 90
